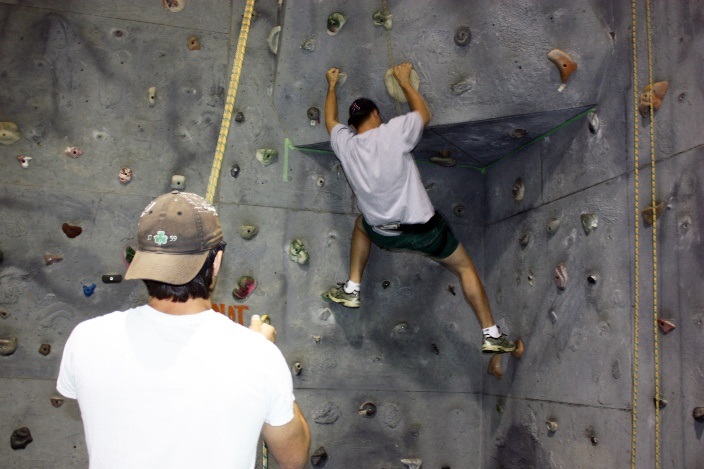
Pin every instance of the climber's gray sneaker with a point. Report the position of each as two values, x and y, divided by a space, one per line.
338 295
498 345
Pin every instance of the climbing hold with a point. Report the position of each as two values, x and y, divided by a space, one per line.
245 287
443 158
4 314
458 210
652 94
650 214
45 349
553 225
495 366
589 222
9 133
178 182
266 156
519 349
297 368
20 438
400 329
313 114
499 407
518 133
248 231
413 463
151 96
125 175
659 402
56 401
594 440
319 457
435 349
379 18
73 152
24 160
552 426
50 259
193 43
666 326
553 317
593 120
8 346
463 85
394 89
88 290
265 319
327 414
239 116
112 278
561 276
368 409
335 22
564 63
297 252
173 5
451 289
385 284
320 181
129 254
698 414
71 230
518 190
309 45
524 239
234 171
272 40
592 279
463 35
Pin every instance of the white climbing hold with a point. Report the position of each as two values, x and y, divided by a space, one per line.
24 160
412 463
266 156
393 87
272 39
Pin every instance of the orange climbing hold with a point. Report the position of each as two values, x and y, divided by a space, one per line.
495 366
653 94
519 349
565 64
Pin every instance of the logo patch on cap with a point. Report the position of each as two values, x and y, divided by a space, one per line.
160 238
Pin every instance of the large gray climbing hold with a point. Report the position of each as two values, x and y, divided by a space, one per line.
327 414
248 231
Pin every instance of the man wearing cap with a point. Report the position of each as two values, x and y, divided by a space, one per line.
396 211
173 383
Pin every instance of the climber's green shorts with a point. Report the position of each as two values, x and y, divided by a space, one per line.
433 238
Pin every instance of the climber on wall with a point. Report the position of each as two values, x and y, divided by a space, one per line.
396 211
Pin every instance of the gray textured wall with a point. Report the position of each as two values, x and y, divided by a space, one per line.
77 74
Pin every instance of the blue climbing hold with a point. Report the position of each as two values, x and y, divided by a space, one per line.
88 289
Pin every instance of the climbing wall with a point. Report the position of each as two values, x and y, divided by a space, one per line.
541 196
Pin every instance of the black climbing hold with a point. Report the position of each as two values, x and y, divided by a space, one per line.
458 210
313 114
319 457
698 414
234 171
56 401
451 289
435 349
239 116
45 349
594 440
463 35
112 278
4 314
518 133
385 284
368 409
592 279
71 230
20 438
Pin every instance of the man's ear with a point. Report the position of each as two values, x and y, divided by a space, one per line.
216 263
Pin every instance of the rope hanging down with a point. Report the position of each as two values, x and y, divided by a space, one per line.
230 101
636 198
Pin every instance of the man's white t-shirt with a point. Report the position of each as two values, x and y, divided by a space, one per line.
163 391
381 171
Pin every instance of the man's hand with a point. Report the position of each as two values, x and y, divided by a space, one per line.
267 330
402 73
332 75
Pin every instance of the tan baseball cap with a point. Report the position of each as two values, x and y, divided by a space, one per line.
175 233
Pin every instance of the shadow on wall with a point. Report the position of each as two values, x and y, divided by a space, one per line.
521 449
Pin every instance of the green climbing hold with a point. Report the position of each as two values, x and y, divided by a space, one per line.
129 254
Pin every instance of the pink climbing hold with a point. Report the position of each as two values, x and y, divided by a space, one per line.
73 152
561 276
666 326
245 287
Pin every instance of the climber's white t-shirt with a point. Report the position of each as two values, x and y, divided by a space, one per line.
381 171
163 391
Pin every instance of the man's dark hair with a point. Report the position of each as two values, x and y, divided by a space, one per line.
199 287
360 110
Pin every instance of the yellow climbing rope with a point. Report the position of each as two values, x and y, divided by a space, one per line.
636 196
230 101
636 190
